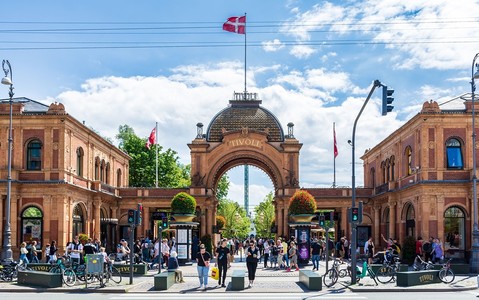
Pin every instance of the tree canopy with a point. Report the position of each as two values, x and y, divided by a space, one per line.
237 223
171 173
264 217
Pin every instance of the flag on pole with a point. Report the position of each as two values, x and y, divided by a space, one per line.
335 145
151 139
235 24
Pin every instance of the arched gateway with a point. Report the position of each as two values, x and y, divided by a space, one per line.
244 133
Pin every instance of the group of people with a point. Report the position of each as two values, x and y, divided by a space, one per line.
430 250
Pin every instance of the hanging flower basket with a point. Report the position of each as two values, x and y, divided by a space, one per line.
302 206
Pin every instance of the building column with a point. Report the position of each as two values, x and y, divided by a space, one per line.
392 220
425 203
146 220
47 233
279 220
344 225
203 222
96 218
377 224
440 217
286 222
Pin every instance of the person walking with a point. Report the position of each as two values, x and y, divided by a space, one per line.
23 253
222 253
266 252
52 256
165 252
437 252
370 250
293 257
315 254
203 258
252 254
75 250
35 252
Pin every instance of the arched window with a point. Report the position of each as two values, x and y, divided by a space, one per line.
383 170
373 177
391 161
107 173
410 222
80 154
78 220
386 222
408 155
34 155
102 171
32 225
454 154
388 170
118 178
454 228
97 168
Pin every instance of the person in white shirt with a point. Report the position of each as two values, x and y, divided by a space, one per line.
75 250
165 251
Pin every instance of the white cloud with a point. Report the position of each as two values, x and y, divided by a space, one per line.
272 46
302 51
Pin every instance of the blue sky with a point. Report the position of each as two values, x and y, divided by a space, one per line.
312 63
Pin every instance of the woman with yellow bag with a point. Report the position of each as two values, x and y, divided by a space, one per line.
222 253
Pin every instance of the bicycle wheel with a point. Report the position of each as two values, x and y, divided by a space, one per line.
115 275
343 273
330 277
446 275
69 277
385 274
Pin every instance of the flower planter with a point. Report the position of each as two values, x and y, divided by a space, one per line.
302 218
184 217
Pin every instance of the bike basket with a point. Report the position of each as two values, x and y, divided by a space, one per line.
66 262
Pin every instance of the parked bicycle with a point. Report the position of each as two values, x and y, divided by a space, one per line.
420 264
387 272
446 274
331 276
9 269
365 271
64 267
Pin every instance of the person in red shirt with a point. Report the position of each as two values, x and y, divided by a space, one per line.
419 246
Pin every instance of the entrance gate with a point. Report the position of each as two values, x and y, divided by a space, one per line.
244 133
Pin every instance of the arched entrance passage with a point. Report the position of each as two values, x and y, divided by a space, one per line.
244 133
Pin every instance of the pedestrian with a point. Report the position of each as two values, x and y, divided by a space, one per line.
437 252
222 253
419 246
52 256
266 253
203 258
75 250
156 254
23 253
89 247
252 256
315 254
145 250
293 257
345 249
370 250
47 251
285 252
34 253
279 247
165 252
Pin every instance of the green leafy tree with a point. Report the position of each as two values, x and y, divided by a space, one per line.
223 187
237 222
143 162
264 216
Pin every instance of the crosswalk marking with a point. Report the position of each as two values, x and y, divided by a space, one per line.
212 296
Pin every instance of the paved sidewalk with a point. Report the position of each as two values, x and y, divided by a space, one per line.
267 281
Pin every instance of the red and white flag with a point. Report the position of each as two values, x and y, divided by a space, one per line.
151 139
335 145
236 24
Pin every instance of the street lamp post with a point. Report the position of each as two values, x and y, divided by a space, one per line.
7 235
474 263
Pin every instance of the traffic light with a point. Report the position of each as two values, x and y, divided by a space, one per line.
164 222
139 212
131 216
387 100
321 220
330 216
355 214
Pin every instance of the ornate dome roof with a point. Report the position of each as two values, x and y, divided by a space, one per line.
241 114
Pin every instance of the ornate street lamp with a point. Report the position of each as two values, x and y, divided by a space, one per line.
474 263
7 235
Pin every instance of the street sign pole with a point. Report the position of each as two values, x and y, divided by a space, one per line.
132 227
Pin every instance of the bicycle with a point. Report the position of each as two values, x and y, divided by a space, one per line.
420 264
387 272
111 273
64 266
446 274
366 271
9 269
331 276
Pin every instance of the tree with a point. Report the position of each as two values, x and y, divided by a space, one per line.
264 216
143 162
237 223
223 187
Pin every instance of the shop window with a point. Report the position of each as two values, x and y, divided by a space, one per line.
118 178
454 154
454 228
32 225
34 155
80 155
78 220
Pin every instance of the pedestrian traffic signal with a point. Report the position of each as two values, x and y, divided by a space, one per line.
321 220
164 222
355 214
131 216
387 100
139 212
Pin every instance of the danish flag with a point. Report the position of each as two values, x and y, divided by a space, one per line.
235 24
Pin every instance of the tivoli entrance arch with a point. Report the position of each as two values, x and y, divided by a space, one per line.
244 133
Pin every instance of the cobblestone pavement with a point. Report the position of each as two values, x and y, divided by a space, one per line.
267 281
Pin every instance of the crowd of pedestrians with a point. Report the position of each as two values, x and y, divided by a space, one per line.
430 249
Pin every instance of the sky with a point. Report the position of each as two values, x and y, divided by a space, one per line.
311 62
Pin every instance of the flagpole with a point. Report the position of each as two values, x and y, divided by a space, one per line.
156 140
245 90
334 154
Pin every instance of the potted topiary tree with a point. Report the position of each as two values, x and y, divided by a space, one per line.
302 206
220 222
183 207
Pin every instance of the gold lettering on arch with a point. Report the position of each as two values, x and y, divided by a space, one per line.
245 142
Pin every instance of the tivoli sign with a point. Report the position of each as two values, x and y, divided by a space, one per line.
245 142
